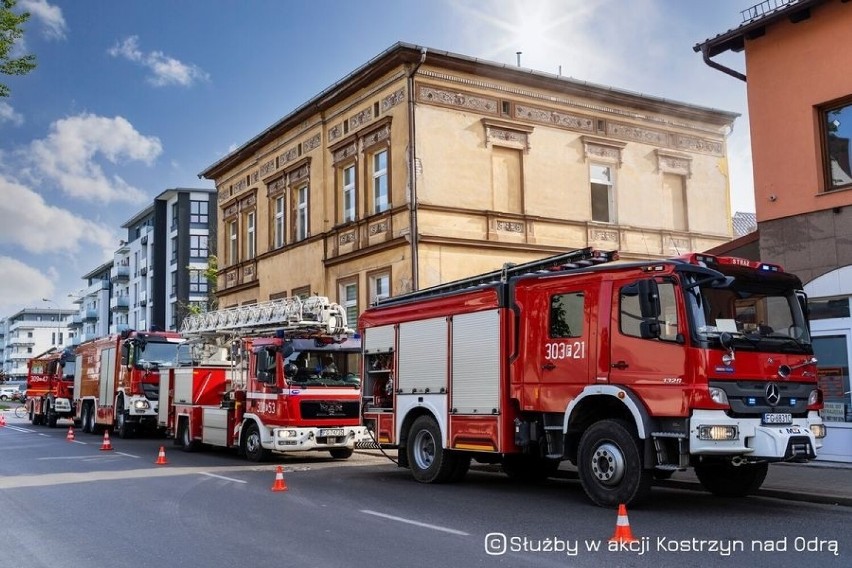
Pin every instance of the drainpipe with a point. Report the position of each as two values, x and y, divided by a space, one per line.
412 170
720 67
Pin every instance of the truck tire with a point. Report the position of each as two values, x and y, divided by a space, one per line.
184 438
50 416
341 453
122 428
85 423
252 448
723 479
610 465
427 458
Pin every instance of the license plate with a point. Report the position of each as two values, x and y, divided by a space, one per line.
777 418
329 432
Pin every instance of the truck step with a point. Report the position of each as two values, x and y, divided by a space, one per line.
669 467
682 435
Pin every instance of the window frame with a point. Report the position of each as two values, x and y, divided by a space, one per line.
348 303
301 226
377 175
372 278
610 184
348 213
250 221
279 222
844 104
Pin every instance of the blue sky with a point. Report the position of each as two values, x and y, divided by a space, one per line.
133 97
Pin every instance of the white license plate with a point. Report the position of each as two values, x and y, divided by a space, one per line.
328 432
777 418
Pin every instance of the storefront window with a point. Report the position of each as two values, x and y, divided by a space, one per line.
833 370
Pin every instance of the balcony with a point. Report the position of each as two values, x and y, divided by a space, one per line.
119 274
90 315
119 303
76 321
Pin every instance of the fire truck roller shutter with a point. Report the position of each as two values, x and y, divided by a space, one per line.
378 339
423 356
476 356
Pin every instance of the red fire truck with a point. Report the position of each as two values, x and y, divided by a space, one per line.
277 376
630 370
50 386
117 379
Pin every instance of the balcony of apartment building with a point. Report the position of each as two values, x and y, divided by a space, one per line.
119 303
119 327
143 298
143 267
21 342
120 273
20 356
91 314
76 321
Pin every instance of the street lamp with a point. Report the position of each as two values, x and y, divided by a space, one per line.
58 317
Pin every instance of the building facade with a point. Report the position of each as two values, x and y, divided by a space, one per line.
93 318
159 272
424 166
797 54
30 332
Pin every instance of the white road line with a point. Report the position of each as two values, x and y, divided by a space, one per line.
415 523
18 428
128 455
222 477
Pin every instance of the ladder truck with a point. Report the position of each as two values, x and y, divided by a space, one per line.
278 376
628 370
50 386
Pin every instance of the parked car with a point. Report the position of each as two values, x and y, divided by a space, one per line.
10 392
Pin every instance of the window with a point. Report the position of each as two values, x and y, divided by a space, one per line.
233 254
379 286
198 246
349 301
174 216
300 214
278 223
197 282
250 235
566 315
173 285
198 212
837 153
303 292
674 202
348 193
630 316
602 193
380 181
506 179
174 250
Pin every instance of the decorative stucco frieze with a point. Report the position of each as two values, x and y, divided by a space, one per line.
429 94
555 117
392 100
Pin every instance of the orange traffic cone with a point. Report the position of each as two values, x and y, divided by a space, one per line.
107 445
622 527
161 457
2 420
279 484
70 436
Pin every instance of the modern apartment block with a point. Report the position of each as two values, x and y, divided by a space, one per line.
30 332
424 166
93 318
158 272
797 55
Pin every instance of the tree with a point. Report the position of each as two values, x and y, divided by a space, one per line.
11 30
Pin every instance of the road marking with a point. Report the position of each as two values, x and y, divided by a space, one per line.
18 428
208 474
415 523
128 455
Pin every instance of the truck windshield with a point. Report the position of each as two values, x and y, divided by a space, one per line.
759 314
162 354
318 368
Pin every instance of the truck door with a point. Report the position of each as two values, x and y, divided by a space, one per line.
557 340
650 359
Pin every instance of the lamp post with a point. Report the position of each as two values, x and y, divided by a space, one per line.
58 317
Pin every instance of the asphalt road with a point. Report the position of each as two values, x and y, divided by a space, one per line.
71 504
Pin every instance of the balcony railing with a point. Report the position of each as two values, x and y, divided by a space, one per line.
119 303
120 273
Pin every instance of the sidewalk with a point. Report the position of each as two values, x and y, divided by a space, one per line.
815 482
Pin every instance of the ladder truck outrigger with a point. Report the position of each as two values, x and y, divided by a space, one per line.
277 376
629 370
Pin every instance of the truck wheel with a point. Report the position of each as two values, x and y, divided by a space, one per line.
91 421
341 453
184 437
727 480
610 465
122 428
427 458
50 416
85 424
528 468
252 448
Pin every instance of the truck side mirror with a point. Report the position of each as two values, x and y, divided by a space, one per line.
649 307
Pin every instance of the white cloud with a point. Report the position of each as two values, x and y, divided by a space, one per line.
50 16
8 114
68 156
31 224
22 285
165 70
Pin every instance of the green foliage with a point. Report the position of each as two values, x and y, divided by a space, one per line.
11 30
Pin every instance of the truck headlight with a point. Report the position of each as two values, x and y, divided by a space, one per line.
718 395
718 433
287 433
818 430
141 405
